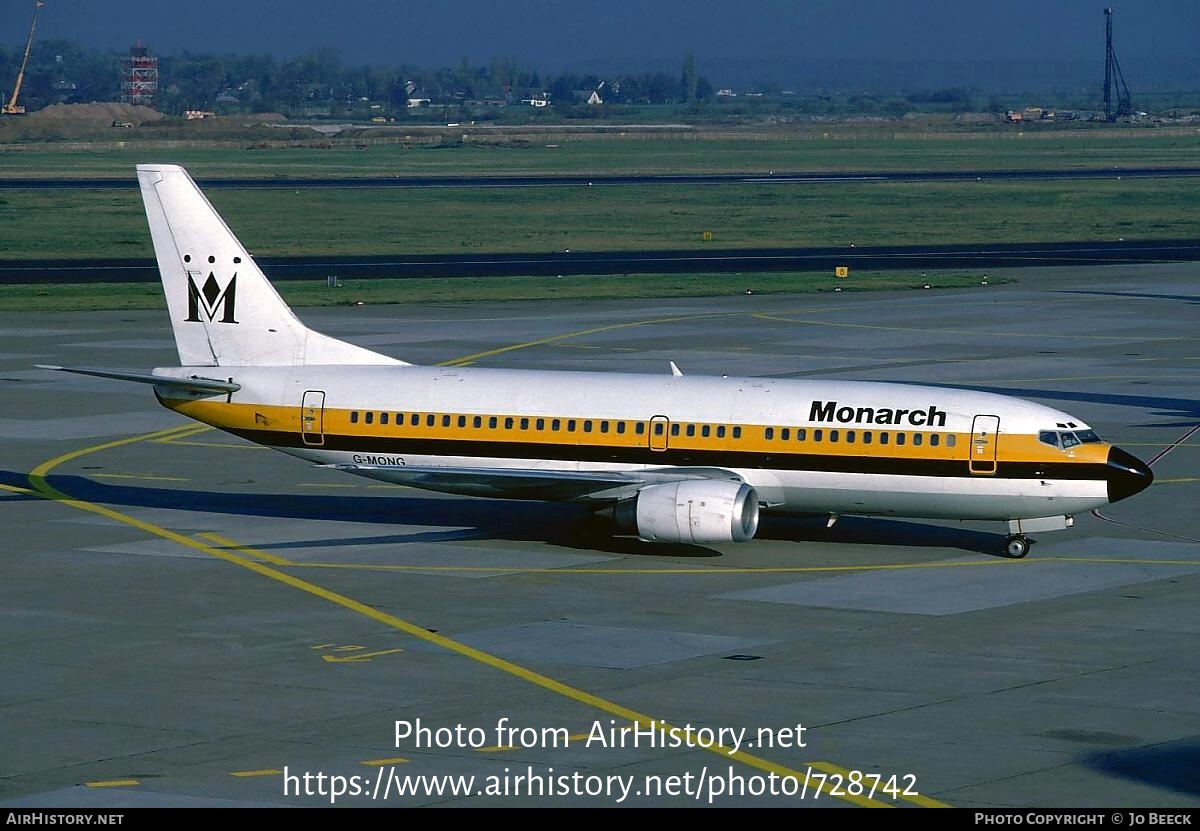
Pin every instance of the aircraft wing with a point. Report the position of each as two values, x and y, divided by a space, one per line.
522 483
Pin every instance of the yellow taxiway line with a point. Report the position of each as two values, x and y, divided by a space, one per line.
37 478
113 783
554 339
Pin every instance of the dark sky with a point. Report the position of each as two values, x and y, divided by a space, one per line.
557 34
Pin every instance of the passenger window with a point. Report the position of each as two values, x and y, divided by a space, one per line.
415 420
368 417
935 440
900 438
445 421
691 430
720 431
705 431
785 434
1048 437
866 437
570 425
801 434
833 435
917 439
951 440
492 421
818 434
587 426
640 428
555 424
769 433
383 418
354 416
508 423
883 438
429 420
462 421
400 419
850 436
659 429
477 421
603 426
737 432
524 424
540 424
674 429
621 427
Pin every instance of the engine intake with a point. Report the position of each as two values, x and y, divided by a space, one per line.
691 511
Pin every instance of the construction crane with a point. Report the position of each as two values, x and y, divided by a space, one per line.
1114 79
11 107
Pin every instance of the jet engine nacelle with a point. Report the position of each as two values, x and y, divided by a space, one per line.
692 511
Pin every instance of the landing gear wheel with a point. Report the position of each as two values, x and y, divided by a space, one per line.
1016 547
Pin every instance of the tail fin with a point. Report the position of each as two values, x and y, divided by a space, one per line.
223 309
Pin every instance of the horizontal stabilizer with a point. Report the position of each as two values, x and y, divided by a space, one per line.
192 384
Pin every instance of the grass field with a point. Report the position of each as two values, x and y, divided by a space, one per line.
23 298
838 149
38 224
69 224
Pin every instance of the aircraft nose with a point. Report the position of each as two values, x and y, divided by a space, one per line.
1126 475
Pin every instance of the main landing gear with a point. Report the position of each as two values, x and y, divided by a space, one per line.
1016 546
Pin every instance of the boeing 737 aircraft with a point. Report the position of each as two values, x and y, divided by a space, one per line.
676 458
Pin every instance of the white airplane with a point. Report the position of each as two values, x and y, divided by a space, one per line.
675 458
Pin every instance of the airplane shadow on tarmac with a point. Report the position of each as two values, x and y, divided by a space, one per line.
1185 298
1170 765
562 524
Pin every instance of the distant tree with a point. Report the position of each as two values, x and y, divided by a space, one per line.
562 89
504 74
463 78
690 80
660 88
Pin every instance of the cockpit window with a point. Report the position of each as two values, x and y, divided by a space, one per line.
1066 439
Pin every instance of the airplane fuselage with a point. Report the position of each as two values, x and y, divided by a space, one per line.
804 446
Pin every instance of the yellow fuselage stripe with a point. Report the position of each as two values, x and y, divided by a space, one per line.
951 445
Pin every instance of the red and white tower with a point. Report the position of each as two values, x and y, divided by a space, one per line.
139 80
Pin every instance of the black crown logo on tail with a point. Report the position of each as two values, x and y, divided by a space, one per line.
211 299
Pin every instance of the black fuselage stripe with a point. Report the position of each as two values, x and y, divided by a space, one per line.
674 457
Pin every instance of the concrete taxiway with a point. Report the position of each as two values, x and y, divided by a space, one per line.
187 617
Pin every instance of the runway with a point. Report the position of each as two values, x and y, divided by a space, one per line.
678 261
191 620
